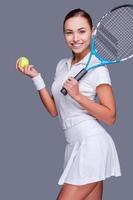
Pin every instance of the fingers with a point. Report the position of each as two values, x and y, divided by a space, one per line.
18 67
71 80
27 69
17 64
24 70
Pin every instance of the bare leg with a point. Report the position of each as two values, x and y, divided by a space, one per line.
78 192
97 193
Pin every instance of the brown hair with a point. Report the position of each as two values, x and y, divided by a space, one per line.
78 12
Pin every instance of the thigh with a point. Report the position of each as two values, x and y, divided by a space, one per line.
78 192
97 193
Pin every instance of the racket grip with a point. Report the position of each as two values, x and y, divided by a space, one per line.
77 77
64 91
80 74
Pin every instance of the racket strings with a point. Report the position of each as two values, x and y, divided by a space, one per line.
107 43
114 37
108 34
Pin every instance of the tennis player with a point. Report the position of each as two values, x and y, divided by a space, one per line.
90 153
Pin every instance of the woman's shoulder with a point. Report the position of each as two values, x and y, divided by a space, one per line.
61 63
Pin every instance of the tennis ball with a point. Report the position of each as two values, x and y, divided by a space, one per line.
23 62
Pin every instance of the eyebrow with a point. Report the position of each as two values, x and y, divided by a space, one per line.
78 29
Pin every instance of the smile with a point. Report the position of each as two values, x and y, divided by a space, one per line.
77 45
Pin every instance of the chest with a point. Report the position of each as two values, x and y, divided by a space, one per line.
85 85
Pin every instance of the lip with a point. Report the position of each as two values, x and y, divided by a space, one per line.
77 45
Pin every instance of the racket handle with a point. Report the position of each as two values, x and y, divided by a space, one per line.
77 77
80 74
64 91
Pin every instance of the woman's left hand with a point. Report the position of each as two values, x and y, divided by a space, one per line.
72 87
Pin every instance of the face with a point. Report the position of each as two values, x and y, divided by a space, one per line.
78 34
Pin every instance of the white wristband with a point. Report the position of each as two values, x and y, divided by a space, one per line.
38 82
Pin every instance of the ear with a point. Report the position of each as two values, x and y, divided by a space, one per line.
93 30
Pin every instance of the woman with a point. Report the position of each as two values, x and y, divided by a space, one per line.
90 154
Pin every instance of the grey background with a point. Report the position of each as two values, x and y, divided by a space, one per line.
32 143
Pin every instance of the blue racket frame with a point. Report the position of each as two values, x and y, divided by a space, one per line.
93 52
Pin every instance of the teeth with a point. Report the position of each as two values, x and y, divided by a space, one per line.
77 45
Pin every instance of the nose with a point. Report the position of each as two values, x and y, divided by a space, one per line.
75 37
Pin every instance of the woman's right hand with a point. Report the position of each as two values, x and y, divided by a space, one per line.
29 71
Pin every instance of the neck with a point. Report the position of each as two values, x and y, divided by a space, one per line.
78 57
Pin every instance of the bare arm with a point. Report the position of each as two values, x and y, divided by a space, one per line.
105 110
48 102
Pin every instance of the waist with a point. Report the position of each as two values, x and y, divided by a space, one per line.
69 122
84 130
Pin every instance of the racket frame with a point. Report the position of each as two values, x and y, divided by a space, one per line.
94 52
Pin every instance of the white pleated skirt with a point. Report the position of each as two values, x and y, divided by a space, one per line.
90 154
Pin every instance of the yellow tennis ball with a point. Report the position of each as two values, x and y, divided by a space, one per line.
23 62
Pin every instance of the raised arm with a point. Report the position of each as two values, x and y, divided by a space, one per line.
104 110
46 98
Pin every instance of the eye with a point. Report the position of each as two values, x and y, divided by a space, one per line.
68 32
82 31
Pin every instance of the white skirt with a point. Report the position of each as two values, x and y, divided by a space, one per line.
90 154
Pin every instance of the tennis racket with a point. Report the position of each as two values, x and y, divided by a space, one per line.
112 40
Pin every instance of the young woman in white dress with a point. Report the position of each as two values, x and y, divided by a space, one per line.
90 154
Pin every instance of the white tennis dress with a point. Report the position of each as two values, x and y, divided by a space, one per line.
90 153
